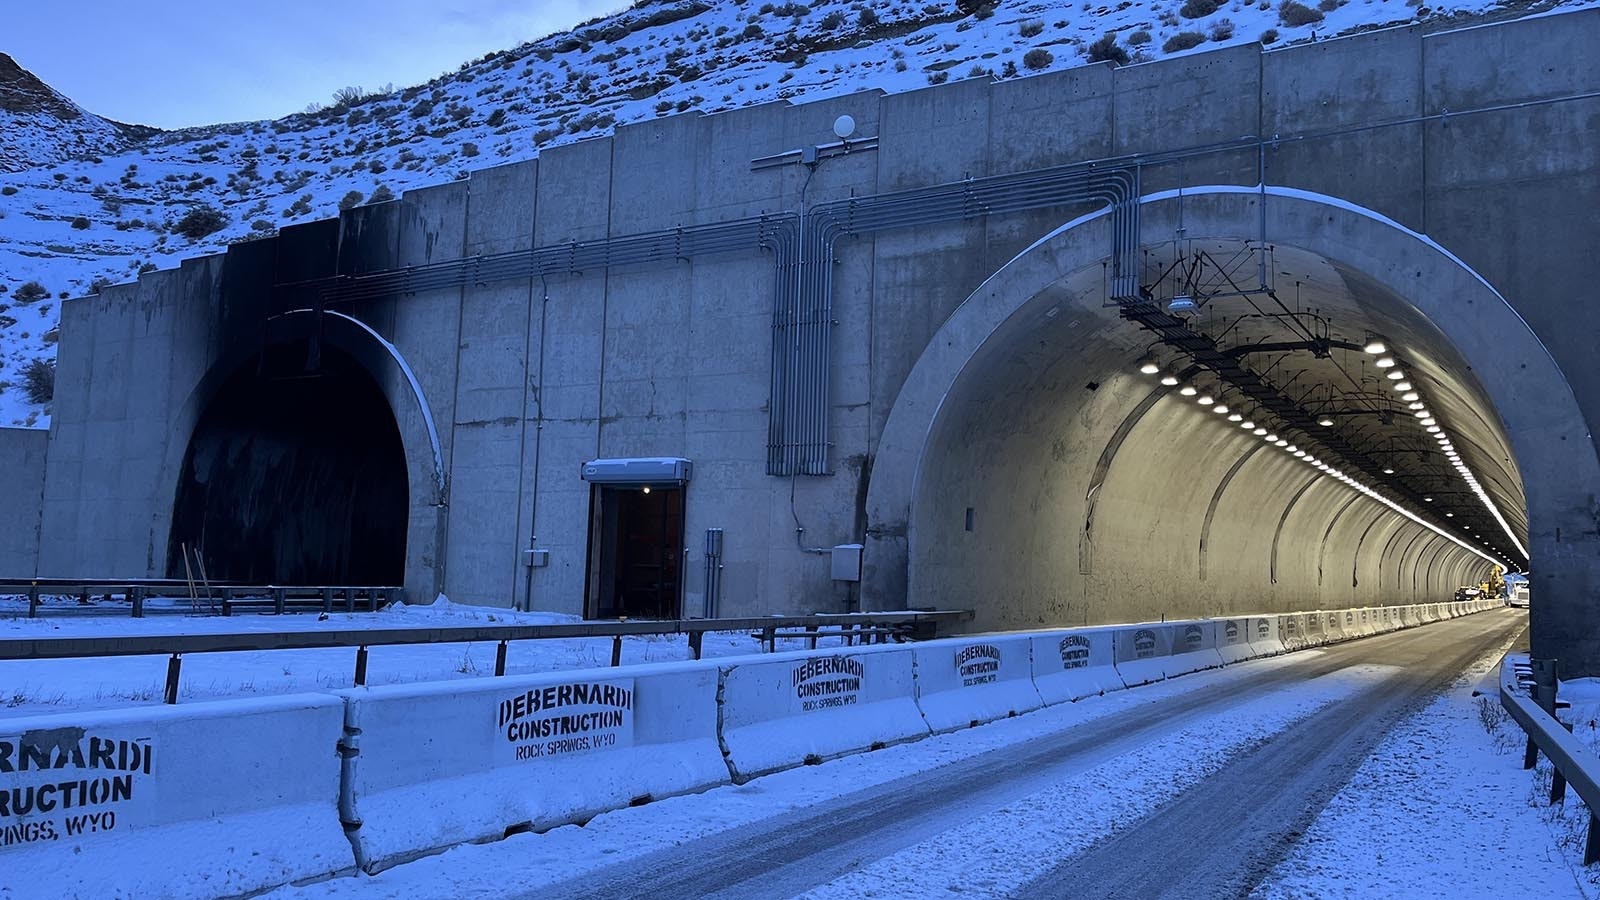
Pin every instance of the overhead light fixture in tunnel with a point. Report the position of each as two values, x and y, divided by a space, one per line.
1259 432
1220 409
1375 346
1449 515
1411 397
1281 442
1401 386
1324 421
1417 404
1300 454
1169 379
1395 375
1205 399
1433 429
1181 305
1385 362
1430 420
1388 471
1188 390
1427 499
1148 366
1235 417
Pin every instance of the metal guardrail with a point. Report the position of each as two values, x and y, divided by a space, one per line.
224 596
846 625
1574 763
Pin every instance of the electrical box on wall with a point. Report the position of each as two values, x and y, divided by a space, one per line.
536 559
847 562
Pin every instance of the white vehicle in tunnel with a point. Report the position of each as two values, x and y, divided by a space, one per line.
1519 595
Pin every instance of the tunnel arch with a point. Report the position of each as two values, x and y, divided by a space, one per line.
1015 328
394 396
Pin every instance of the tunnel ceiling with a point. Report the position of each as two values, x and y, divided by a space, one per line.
1303 336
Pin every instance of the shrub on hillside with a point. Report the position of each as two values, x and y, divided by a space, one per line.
8 190
1269 36
1328 6
381 194
1031 28
1038 58
1295 14
867 19
1183 40
1222 30
201 221
81 223
1198 9
353 198
1106 50
39 381
1138 38
30 292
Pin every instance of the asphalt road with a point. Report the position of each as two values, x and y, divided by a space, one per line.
1217 839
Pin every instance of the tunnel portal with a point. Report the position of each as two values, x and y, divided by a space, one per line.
295 474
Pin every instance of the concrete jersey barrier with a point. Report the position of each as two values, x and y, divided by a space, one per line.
1071 665
967 681
1264 637
1194 647
1142 652
201 800
1233 640
786 709
488 755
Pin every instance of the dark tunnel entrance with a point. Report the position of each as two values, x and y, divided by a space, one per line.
295 474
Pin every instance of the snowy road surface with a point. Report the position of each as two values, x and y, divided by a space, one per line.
1203 786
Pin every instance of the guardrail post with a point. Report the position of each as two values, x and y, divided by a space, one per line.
811 635
361 666
1591 847
1558 781
227 601
327 600
349 600
769 636
696 639
1544 694
500 659
33 600
616 651
279 595
174 665
372 599
136 596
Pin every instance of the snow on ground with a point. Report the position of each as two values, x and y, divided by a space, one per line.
1454 768
1114 793
31 687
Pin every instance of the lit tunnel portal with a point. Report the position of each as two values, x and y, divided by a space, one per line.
1085 468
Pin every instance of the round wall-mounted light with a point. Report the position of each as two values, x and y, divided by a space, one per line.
1375 347
1148 366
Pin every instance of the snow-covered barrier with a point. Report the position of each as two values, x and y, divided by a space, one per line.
1333 626
1292 629
1264 638
1311 626
963 682
1233 640
1194 647
1142 652
433 765
200 800
787 709
1071 665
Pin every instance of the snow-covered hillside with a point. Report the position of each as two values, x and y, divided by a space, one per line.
85 201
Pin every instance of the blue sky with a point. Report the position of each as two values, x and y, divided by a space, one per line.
173 63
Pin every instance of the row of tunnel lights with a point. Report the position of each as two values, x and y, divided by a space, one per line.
1408 394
